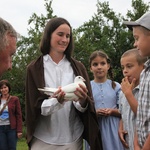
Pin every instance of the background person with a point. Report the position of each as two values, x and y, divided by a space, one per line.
10 118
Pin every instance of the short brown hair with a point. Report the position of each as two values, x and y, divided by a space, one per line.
5 82
134 51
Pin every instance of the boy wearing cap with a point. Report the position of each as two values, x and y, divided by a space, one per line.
141 34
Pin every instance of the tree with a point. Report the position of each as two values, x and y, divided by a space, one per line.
28 50
103 31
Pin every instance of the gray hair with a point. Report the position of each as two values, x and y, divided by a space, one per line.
6 29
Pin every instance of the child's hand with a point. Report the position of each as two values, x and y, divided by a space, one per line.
104 111
126 86
122 135
99 112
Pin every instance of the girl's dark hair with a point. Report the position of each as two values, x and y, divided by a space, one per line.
5 82
51 26
101 53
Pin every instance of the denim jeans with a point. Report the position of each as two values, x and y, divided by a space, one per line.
8 138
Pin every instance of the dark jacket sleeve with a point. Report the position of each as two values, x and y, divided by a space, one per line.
15 114
34 98
91 128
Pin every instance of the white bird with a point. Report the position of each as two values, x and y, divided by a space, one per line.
68 89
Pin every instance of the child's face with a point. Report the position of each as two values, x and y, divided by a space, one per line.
131 68
99 68
142 41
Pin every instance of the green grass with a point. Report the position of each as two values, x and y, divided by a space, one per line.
22 145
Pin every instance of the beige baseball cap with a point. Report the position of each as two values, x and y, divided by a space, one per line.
143 21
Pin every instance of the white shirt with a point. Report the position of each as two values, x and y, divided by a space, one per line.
59 123
4 120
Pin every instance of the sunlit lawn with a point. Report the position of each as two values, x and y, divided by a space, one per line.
22 145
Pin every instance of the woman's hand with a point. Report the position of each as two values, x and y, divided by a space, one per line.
59 94
19 135
81 92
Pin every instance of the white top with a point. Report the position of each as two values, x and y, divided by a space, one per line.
59 123
4 118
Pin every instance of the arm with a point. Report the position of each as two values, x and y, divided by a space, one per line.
113 112
18 118
136 144
53 103
127 90
108 112
50 106
147 143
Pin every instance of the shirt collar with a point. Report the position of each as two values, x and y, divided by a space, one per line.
47 57
147 64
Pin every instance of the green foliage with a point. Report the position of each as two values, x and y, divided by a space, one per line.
104 31
27 50
22 144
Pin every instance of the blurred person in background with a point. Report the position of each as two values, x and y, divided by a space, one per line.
10 118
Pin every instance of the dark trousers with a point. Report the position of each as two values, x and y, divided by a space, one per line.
8 138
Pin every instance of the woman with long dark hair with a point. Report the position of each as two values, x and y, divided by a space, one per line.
53 122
